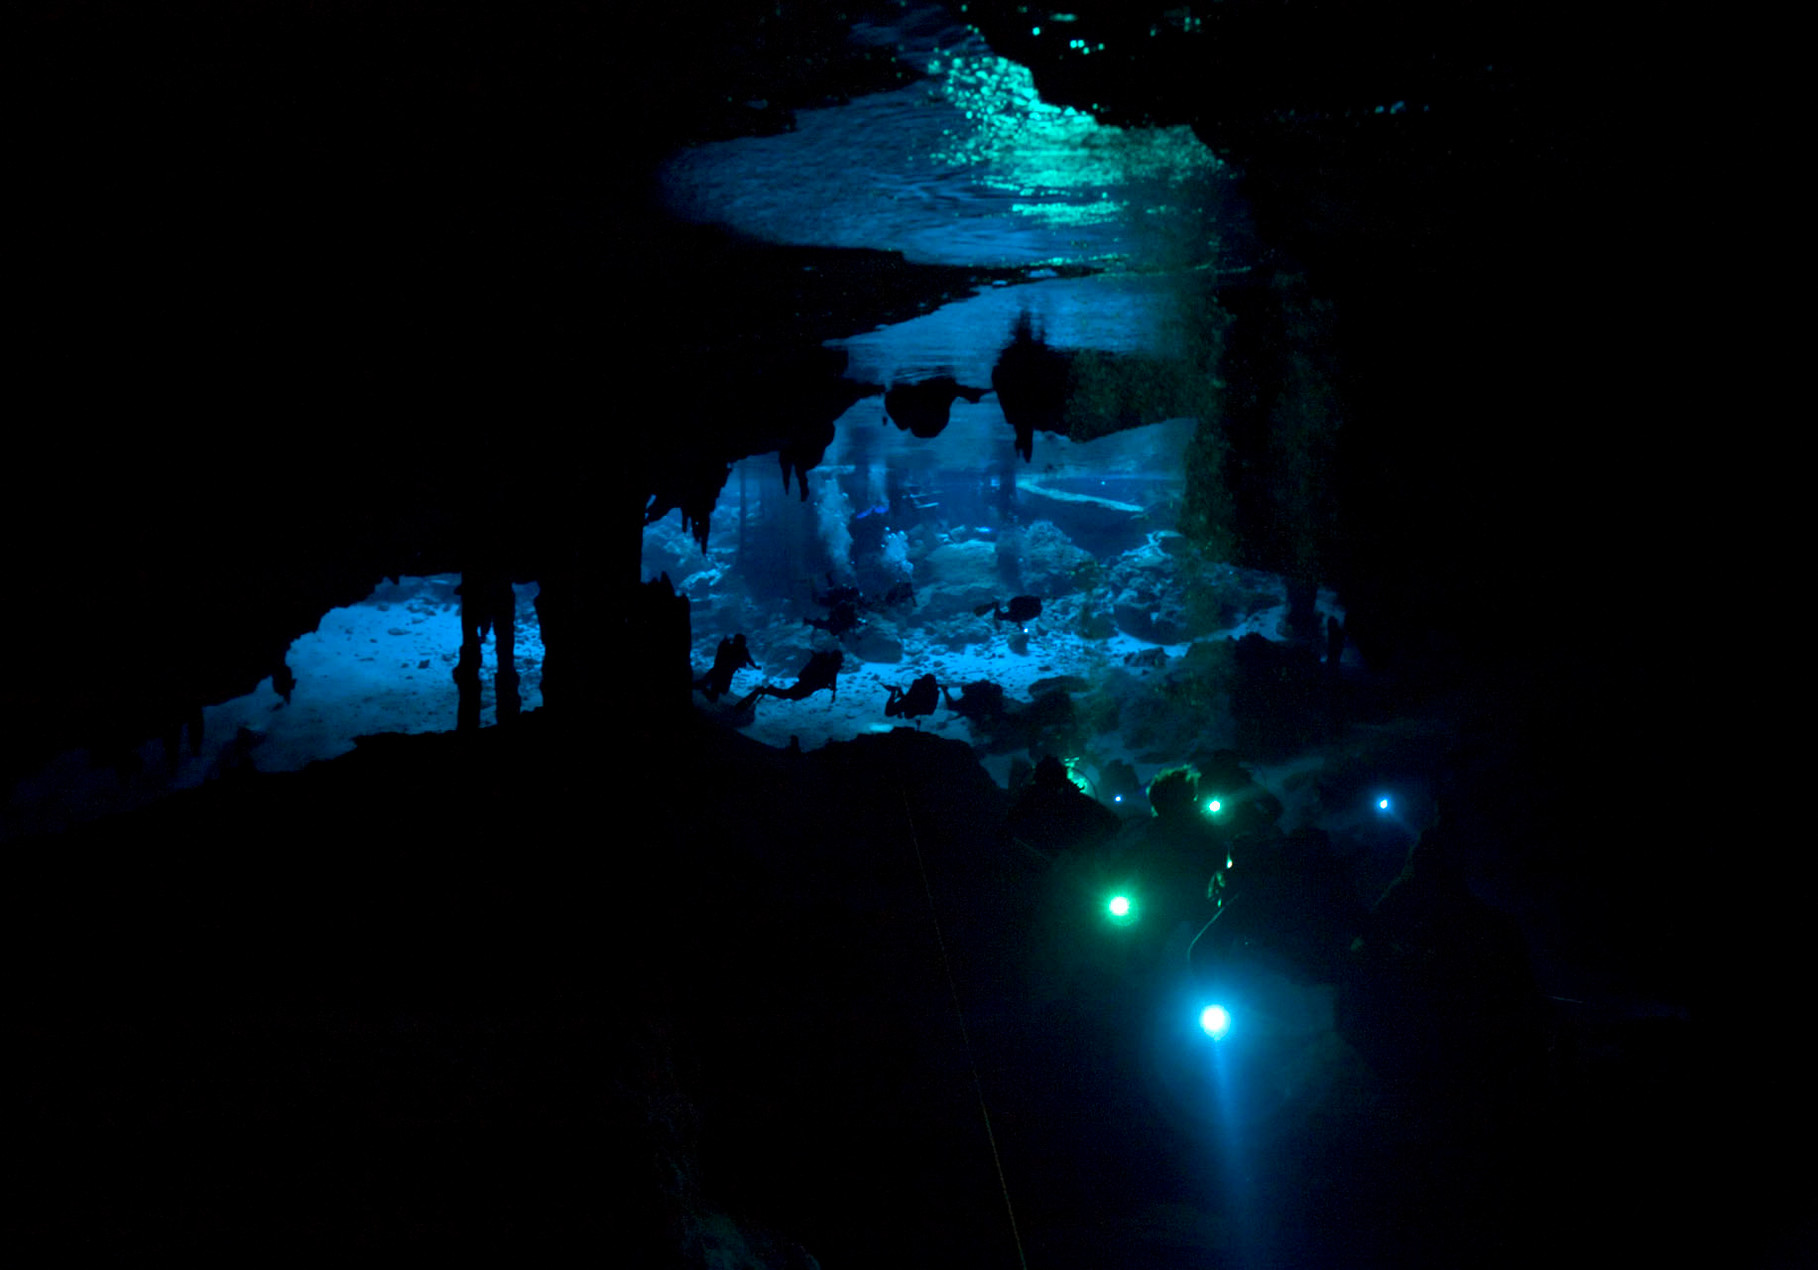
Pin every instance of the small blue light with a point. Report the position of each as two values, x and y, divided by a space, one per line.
1117 798
1382 805
1215 1020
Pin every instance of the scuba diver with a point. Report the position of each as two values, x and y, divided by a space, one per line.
1179 848
841 618
821 671
843 604
1051 814
1022 608
918 702
901 595
980 702
732 656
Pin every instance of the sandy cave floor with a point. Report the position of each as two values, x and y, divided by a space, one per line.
386 665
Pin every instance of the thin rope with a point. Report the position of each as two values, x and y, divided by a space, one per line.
978 1086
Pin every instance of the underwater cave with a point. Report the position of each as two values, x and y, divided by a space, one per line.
783 635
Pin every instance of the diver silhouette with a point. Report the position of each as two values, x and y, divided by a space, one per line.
919 701
1054 815
821 671
841 618
731 657
979 702
842 603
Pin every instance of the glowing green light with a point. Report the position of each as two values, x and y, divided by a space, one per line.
1214 806
1121 910
1120 906
1070 214
1028 144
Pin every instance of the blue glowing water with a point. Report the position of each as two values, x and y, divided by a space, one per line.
968 166
383 665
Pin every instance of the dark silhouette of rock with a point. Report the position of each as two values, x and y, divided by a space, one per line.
802 455
924 407
695 489
1032 380
488 607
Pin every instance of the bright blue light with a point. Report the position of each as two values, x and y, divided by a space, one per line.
1382 805
1216 1020
1117 798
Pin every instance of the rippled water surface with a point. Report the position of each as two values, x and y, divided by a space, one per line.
968 166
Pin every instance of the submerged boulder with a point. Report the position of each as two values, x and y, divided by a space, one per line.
1048 560
956 578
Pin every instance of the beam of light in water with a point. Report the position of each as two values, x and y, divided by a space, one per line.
1215 1021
